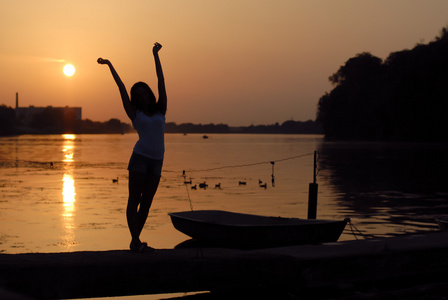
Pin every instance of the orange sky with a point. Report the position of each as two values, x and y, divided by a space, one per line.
234 62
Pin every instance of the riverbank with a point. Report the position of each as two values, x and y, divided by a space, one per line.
410 264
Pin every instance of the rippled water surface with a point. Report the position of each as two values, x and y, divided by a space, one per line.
58 193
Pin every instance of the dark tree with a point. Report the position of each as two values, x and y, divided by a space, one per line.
403 98
349 110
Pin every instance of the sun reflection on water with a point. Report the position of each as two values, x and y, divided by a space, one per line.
68 193
68 147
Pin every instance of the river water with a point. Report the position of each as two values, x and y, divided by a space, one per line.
57 192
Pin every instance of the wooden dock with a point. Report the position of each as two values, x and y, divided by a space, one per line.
390 264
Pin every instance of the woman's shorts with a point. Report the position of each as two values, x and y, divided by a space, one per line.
143 164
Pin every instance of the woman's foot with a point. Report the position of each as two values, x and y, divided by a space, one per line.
140 247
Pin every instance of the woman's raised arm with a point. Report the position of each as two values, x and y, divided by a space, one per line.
162 103
128 107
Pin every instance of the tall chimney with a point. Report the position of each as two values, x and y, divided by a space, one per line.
17 100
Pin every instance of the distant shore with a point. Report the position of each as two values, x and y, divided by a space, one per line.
115 126
288 127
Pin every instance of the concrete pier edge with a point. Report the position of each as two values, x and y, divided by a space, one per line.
401 262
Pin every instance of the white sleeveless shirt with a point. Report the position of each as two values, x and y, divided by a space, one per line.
151 135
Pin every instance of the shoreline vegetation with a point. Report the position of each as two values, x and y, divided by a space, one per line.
403 98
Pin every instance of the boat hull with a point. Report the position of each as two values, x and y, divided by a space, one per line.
253 231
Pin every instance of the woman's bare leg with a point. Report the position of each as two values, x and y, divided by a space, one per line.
146 200
142 189
136 186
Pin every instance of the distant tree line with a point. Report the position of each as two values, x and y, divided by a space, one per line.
403 98
288 127
172 127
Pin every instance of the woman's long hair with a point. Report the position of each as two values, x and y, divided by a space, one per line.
152 106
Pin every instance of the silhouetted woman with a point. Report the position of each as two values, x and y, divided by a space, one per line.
145 165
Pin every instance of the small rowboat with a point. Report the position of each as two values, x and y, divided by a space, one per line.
253 231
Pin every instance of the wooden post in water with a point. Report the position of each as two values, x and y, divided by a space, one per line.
312 193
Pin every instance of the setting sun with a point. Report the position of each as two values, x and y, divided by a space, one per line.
69 70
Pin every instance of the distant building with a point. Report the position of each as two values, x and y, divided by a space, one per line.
25 114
